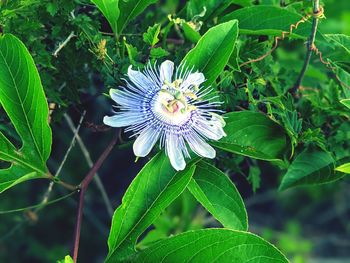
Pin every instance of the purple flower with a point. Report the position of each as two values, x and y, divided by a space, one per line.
158 105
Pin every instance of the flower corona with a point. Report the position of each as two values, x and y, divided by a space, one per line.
159 104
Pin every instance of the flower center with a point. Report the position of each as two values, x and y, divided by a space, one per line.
172 103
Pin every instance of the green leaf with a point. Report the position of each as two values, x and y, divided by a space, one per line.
151 36
110 10
52 8
212 245
336 47
153 189
216 192
158 52
67 259
211 7
132 52
213 50
268 20
344 168
22 97
129 9
345 102
234 60
344 79
311 167
254 135
190 33
254 177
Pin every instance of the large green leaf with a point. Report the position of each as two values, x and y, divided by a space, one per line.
129 9
311 167
216 192
213 50
212 245
253 134
23 99
268 20
110 10
153 189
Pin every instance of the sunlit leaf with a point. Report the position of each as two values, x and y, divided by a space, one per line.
23 99
67 259
212 245
213 50
216 192
153 189
344 168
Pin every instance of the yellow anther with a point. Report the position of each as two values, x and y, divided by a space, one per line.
192 107
196 88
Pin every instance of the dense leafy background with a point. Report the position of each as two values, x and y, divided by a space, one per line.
276 140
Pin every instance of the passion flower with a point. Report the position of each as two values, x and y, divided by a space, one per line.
158 105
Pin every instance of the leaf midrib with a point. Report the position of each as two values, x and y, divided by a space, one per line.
145 213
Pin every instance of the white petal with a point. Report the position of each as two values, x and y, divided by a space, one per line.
174 153
219 130
140 79
217 125
209 129
194 79
123 119
200 147
166 71
145 142
125 98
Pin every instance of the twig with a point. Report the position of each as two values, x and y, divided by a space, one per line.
63 44
36 206
83 187
57 174
88 159
72 143
309 45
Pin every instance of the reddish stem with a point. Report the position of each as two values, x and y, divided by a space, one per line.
83 187
78 225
